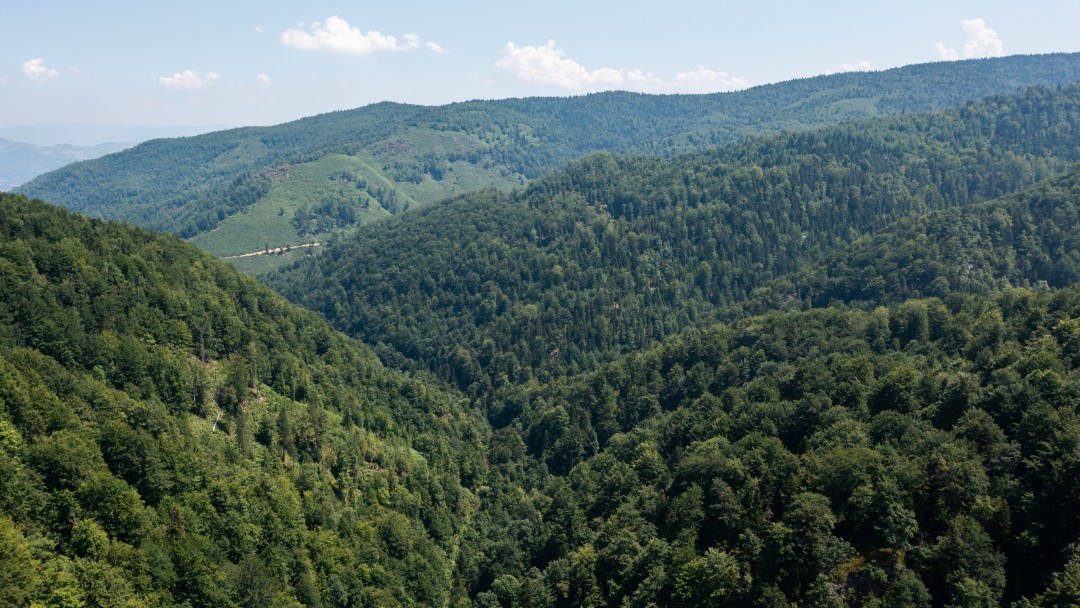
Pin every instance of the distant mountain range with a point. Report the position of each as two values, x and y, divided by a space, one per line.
91 134
27 151
21 162
612 253
315 179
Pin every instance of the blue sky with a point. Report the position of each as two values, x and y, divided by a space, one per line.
234 63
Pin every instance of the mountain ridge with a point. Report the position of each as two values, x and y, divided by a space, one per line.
189 187
613 252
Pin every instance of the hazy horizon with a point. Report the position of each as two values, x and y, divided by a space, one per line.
154 65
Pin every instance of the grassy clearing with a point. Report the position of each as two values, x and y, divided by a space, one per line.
262 264
269 221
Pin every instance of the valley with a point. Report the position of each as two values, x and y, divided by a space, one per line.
814 343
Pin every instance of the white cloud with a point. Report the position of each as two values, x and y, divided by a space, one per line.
859 66
946 53
703 80
35 70
263 79
258 29
548 65
981 42
338 36
188 80
435 47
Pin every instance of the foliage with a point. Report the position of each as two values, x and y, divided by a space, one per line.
188 186
174 433
825 457
887 416
611 254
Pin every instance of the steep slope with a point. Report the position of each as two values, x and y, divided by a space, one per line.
1031 239
613 253
921 454
173 433
405 156
918 455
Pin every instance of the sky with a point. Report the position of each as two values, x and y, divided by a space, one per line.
231 63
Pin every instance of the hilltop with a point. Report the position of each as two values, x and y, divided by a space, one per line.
246 190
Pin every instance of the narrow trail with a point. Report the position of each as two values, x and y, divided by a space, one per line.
269 251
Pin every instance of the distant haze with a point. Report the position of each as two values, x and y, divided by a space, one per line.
86 134
259 64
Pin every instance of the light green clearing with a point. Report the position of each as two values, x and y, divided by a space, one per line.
262 264
269 221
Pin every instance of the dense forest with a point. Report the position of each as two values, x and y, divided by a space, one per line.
613 253
188 186
173 433
922 454
918 454
1030 239
826 366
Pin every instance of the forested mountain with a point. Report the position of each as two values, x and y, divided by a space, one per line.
922 454
613 253
173 433
832 366
315 178
919 455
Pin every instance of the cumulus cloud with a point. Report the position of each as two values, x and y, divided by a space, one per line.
36 70
188 80
338 36
981 42
263 79
435 47
548 65
703 80
859 66
946 53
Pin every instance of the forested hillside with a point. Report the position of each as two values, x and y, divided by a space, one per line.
921 455
255 183
173 433
613 253
1031 239
828 366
